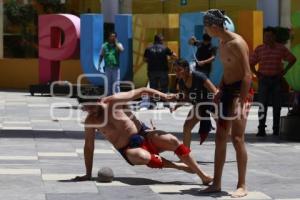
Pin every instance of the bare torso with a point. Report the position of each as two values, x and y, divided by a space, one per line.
233 70
117 126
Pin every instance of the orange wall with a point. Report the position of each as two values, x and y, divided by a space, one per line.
20 73
232 7
252 30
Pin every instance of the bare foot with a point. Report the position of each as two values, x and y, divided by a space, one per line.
211 189
207 180
240 192
82 178
181 166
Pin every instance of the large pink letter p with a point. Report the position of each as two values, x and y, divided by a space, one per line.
58 40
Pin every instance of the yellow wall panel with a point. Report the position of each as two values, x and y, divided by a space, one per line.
174 6
233 7
20 73
157 20
93 5
170 6
70 70
296 36
144 28
146 6
295 5
252 30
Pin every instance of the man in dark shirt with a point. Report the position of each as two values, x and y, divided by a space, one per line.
156 57
205 54
197 89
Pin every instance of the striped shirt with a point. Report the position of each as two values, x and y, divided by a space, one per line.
270 59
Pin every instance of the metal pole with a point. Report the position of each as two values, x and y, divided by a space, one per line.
1 28
109 9
285 15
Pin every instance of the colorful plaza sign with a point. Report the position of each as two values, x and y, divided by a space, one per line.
63 36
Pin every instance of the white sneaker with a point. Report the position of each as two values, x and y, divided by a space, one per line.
143 109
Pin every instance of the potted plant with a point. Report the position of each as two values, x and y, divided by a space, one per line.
21 15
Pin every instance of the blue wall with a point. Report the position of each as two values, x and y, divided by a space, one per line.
91 40
191 24
123 27
271 11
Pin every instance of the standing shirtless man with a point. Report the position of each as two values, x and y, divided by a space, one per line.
232 98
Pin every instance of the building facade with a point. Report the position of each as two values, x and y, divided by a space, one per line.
18 32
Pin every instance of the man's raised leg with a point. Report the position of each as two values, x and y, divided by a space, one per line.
168 142
140 156
177 165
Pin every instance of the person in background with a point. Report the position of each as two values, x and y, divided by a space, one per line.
270 56
110 53
156 57
205 53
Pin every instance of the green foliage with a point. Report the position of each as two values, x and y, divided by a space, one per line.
48 1
20 44
52 6
18 13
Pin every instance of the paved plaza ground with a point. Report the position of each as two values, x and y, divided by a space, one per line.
41 148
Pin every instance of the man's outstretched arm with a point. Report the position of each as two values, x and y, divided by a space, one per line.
123 97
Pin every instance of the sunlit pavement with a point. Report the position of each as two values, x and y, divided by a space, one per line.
41 141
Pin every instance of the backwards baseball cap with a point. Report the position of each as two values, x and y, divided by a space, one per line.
215 17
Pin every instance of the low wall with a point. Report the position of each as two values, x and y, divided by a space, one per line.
20 73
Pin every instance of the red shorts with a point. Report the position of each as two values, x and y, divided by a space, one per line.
148 146
138 141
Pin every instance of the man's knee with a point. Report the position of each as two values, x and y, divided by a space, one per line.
182 150
139 158
221 136
237 141
174 141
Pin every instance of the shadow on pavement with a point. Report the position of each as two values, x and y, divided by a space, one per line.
64 134
197 192
145 181
135 181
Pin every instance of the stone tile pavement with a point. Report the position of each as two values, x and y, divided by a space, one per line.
41 141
